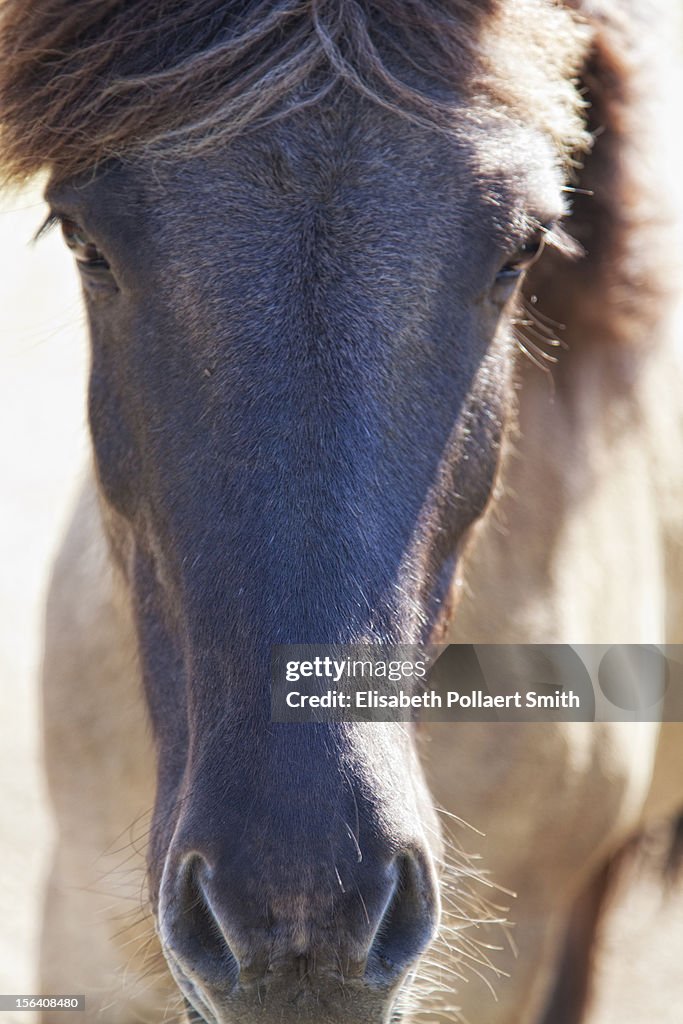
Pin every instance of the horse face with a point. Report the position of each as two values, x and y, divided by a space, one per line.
301 361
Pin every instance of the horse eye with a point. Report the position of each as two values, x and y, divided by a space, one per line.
86 252
525 256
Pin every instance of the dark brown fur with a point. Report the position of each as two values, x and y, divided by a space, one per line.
83 82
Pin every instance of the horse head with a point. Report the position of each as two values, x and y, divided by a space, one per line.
302 366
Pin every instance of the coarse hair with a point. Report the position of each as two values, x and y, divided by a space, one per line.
82 81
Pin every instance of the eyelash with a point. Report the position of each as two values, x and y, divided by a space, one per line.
551 235
90 258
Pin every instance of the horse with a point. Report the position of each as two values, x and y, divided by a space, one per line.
326 247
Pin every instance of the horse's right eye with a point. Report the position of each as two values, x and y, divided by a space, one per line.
86 252
524 257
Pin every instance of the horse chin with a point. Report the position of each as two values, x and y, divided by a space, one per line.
308 1006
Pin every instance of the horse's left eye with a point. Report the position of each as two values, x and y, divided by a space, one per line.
86 252
523 258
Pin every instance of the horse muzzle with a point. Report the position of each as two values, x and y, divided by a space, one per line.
343 964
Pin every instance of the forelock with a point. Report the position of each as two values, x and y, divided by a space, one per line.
84 81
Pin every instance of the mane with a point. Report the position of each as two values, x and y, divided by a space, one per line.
625 211
82 81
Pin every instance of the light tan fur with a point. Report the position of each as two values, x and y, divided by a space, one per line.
576 555
101 773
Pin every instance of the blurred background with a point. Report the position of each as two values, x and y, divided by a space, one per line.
43 447
44 442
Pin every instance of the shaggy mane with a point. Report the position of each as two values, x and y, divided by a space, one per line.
82 81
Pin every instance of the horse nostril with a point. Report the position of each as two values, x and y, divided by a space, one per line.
191 932
214 939
409 922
